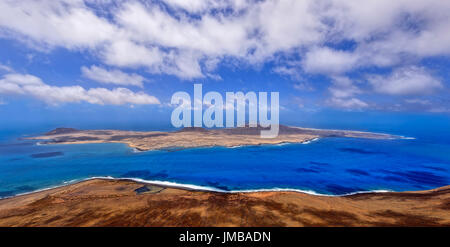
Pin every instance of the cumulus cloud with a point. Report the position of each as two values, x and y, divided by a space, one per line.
342 93
194 6
29 85
198 6
178 38
303 86
407 28
349 103
5 68
193 39
418 101
113 76
292 72
329 61
125 53
406 81
64 23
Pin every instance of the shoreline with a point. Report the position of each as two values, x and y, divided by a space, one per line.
136 149
201 188
306 140
394 136
126 202
183 138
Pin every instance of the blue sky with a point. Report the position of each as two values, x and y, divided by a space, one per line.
74 61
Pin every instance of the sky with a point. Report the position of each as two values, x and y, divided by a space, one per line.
74 61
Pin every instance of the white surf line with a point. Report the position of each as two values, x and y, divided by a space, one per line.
407 138
352 131
213 189
309 141
194 187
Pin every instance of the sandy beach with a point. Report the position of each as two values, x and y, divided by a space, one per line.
112 202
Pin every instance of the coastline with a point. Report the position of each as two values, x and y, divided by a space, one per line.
62 204
305 141
139 150
129 201
200 188
183 138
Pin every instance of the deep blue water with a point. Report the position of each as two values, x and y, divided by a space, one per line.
327 166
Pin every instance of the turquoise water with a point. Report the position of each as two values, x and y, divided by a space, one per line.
331 166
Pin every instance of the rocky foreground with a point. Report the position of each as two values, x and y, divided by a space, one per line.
99 202
196 137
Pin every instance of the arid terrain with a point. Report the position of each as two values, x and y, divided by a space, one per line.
196 137
104 202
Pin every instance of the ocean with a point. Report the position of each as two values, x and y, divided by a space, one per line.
328 166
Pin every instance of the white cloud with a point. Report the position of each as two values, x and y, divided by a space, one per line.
146 35
198 6
329 61
285 25
5 68
125 53
67 23
343 87
343 91
292 72
183 38
384 32
406 25
350 103
210 34
193 6
406 81
440 109
418 101
29 85
113 76
303 86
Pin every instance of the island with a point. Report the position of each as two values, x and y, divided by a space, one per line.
191 137
123 202
128 202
